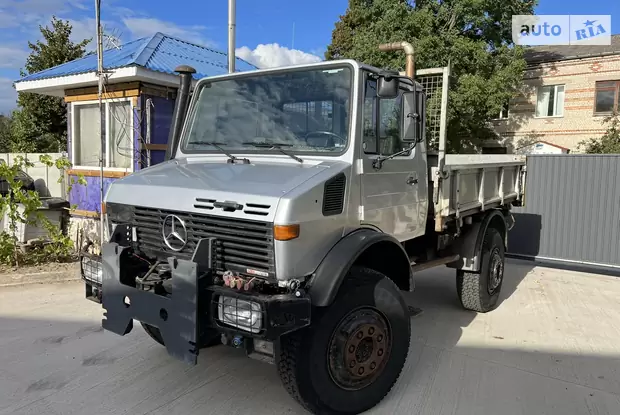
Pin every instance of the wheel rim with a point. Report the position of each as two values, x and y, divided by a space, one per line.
496 271
359 349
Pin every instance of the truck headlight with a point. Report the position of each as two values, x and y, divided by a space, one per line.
245 315
92 271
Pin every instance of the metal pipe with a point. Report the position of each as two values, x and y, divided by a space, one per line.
102 118
180 109
232 17
408 48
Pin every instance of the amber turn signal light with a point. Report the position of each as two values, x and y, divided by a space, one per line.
285 232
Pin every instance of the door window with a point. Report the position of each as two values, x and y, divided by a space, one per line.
382 118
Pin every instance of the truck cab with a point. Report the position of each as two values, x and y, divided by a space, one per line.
293 210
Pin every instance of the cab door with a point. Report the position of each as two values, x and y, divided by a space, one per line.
393 195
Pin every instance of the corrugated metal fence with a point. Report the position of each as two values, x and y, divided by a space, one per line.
572 211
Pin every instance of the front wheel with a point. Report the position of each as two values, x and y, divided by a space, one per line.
353 352
480 291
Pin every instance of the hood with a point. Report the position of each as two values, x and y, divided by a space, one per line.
188 186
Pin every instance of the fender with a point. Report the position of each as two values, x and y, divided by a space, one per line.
469 245
330 273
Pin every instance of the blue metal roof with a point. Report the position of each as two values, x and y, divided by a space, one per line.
160 53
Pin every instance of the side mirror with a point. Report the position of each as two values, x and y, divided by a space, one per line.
410 118
387 86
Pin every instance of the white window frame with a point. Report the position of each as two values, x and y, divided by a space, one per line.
107 133
555 102
499 116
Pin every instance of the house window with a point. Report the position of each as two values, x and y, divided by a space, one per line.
607 97
550 101
117 128
503 114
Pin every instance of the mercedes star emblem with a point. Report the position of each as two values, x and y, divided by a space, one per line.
174 232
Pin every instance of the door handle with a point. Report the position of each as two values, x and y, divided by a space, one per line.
412 180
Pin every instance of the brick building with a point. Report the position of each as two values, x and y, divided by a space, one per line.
567 92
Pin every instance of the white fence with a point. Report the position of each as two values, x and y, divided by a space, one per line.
46 179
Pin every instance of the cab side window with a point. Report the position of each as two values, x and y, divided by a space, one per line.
381 117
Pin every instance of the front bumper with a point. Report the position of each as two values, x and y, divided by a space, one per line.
191 308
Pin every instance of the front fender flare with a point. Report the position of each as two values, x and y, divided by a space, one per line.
330 273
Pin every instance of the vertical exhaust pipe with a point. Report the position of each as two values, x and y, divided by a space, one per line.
180 109
232 17
408 48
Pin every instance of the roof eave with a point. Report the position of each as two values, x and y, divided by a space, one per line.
56 86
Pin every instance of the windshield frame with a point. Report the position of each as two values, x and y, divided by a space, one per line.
209 150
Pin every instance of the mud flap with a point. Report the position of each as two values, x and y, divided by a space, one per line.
175 316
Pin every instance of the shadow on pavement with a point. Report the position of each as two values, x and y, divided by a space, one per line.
61 367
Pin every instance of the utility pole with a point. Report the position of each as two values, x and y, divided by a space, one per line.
101 76
232 17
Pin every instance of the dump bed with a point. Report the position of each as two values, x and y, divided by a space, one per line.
476 182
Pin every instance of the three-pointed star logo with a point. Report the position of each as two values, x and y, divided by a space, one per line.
174 233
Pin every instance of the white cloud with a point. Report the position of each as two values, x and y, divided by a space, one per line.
12 57
273 55
147 26
8 96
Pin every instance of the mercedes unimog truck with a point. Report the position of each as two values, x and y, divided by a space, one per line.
295 206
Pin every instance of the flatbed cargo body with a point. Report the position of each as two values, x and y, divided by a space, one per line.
476 183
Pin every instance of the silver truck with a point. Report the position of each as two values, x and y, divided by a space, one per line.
294 208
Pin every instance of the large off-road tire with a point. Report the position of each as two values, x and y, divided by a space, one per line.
155 334
351 355
480 291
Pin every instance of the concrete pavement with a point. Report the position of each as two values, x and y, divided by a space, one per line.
552 347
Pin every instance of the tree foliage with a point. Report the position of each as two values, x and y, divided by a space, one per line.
5 134
40 122
472 36
609 143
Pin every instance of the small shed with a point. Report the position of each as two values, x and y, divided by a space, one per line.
543 147
139 99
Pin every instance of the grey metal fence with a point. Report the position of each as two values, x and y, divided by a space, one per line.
572 211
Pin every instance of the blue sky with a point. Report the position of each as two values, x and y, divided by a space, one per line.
265 32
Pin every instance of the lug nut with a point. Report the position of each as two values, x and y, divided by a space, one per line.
351 349
380 352
361 371
352 364
360 335
373 365
371 330
380 338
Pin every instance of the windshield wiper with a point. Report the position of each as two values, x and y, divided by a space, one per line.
277 146
231 159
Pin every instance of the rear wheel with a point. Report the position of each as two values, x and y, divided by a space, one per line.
352 354
480 291
212 340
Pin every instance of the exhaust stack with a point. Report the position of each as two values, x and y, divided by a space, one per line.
408 48
180 109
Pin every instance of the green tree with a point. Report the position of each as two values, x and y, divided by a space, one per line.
40 122
473 36
609 143
5 134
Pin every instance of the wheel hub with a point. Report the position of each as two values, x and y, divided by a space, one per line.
359 349
496 272
365 350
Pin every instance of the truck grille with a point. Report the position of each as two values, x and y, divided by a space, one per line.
242 245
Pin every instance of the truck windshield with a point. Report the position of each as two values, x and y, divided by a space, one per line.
299 111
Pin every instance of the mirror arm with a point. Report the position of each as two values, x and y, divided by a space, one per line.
378 162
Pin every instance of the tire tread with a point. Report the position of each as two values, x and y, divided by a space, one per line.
291 344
